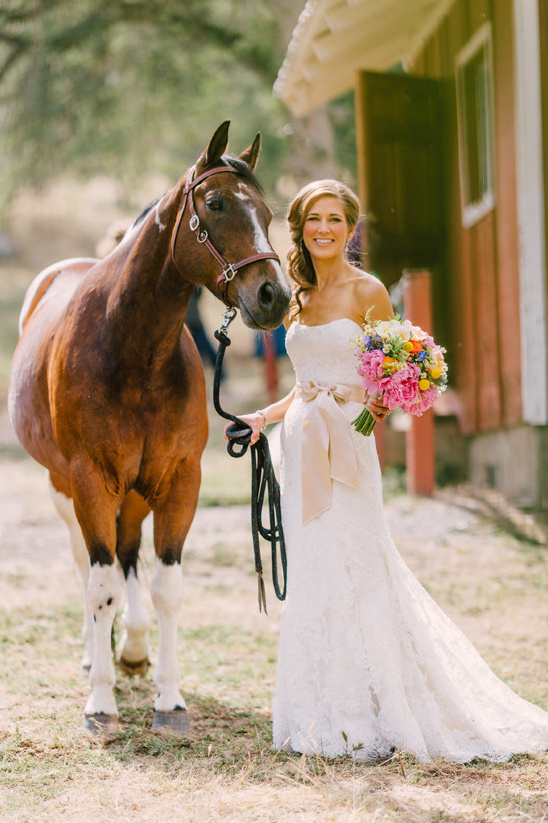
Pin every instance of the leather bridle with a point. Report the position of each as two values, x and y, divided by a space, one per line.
229 270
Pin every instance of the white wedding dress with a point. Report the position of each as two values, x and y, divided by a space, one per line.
368 663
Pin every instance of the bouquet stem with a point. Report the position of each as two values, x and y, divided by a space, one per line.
364 423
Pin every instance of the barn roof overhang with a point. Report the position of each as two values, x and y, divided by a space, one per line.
335 38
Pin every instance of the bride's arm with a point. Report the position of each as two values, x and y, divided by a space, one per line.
263 417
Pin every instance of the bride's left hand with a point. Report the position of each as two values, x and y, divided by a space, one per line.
373 404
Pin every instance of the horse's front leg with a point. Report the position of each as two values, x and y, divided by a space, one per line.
171 524
104 589
167 596
96 510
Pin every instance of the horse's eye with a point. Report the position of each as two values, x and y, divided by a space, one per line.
216 204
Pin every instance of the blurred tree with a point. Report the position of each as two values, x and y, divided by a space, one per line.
127 87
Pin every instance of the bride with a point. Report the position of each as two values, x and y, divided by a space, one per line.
368 663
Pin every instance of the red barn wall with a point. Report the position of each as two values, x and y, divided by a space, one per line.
481 274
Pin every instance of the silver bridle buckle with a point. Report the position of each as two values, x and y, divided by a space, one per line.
194 222
229 273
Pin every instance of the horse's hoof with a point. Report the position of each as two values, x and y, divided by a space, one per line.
175 722
101 723
133 669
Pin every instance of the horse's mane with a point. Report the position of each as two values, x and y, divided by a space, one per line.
145 211
244 170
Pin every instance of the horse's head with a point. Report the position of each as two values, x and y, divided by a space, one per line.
223 226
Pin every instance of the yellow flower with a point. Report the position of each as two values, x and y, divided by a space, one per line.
424 384
435 373
408 346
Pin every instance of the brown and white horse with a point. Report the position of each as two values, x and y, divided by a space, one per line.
107 392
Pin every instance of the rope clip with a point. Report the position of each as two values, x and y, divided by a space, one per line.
228 317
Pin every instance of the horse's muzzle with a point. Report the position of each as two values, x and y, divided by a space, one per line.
266 306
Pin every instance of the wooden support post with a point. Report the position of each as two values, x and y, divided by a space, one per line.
419 441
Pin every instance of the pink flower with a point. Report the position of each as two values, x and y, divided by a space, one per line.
423 401
371 368
400 390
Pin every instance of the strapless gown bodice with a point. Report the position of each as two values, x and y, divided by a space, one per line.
324 353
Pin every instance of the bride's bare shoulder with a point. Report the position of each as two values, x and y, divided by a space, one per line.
370 293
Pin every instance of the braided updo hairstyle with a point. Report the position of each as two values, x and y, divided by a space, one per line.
301 269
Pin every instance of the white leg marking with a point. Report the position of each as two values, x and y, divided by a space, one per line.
65 510
167 596
103 594
136 623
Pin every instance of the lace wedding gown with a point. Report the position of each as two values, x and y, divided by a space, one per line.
367 661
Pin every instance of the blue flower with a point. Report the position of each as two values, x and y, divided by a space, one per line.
372 341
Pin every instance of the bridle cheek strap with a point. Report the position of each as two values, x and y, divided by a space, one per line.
229 270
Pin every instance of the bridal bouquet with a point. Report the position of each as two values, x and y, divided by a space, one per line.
403 364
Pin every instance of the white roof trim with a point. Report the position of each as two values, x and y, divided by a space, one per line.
335 38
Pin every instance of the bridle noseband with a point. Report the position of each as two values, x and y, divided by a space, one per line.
229 270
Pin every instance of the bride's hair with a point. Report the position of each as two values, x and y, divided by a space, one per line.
301 269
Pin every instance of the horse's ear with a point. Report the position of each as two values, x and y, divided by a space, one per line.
251 154
215 149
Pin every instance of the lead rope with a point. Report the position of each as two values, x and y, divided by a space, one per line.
263 478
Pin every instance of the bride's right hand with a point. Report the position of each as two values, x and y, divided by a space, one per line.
375 407
255 421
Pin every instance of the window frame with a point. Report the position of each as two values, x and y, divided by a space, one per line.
473 210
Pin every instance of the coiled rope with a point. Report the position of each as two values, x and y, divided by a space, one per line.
263 478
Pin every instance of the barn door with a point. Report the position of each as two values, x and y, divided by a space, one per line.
399 126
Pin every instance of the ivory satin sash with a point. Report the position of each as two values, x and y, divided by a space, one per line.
327 449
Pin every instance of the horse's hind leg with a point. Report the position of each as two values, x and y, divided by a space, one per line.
133 658
65 510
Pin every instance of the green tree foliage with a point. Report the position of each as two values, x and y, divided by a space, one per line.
127 87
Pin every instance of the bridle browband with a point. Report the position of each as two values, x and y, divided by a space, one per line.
229 270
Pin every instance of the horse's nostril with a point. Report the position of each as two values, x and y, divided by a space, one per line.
266 294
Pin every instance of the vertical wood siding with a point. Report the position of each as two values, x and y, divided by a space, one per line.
507 261
482 277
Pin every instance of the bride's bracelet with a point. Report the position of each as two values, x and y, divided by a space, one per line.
265 424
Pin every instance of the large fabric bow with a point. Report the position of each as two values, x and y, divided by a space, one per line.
327 449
